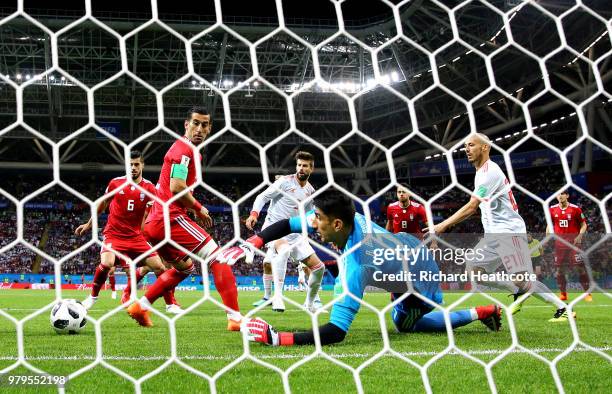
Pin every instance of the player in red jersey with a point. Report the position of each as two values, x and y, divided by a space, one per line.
406 216
122 232
178 173
569 223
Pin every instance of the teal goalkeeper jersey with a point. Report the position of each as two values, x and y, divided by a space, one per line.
368 265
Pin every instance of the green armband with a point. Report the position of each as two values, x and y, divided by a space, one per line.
179 171
481 192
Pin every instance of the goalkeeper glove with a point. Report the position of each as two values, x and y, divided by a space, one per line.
258 330
232 255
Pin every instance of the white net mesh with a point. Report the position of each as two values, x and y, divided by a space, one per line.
383 79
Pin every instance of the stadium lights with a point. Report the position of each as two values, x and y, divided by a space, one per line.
28 76
63 78
228 83
394 76
52 77
256 83
427 157
193 82
18 76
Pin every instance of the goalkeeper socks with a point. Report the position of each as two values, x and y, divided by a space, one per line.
314 282
167 281
434 321
111 281
225 282
562 282
267 282
99 278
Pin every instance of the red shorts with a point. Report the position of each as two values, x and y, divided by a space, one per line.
564 256
132 248
184 231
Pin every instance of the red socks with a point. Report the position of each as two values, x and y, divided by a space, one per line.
562 282
225 282
167 281
111 281
99 278
584 280
128 288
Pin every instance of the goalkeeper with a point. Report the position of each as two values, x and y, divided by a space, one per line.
335 220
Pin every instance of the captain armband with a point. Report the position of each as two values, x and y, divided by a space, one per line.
179 171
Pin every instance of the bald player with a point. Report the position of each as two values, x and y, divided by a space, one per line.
505 240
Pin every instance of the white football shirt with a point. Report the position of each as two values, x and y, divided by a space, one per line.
498 208
281 205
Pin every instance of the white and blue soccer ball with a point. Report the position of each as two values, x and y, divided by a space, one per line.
68 316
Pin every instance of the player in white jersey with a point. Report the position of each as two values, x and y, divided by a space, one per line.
505 239
284 195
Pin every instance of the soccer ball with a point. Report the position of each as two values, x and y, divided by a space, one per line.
68 317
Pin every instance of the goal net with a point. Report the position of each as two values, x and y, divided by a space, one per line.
381 100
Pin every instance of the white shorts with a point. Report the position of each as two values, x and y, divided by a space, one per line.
300 250
494 250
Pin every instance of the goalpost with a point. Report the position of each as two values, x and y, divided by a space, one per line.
346 91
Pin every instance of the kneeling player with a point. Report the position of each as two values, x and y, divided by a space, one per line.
335 220
122 232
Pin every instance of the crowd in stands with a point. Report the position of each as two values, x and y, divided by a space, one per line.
67 212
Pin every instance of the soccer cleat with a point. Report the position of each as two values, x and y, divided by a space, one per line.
278 305
260 302
233 325
139 314
174 309
89 302
317 305
114 295
516 307
561 315
588 298
563 296
490 316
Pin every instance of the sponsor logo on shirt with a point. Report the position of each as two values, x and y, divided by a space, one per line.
185 160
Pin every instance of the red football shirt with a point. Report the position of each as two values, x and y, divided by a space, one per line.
127 208
408 220
566 222
181 152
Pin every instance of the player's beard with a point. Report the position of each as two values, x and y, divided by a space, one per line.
135 177
303 177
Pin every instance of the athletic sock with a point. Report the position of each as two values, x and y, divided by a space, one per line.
167 281
111 281
541 291
99 278
314 282
267 282
434 321
562 282
584 280
279 269
128 288
225 282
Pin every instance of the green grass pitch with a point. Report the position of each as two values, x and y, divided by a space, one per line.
203 343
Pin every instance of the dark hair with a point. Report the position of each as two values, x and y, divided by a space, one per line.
303 155
197 109
337 205
565 192
136 154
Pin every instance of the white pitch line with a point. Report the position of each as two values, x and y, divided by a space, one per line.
300 311
295 356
